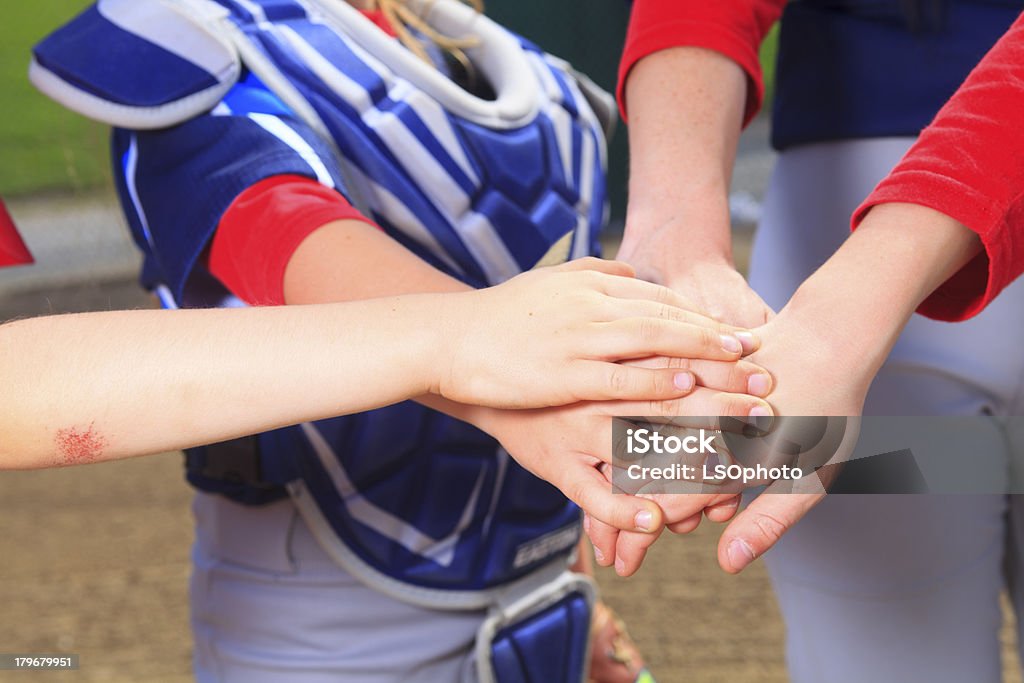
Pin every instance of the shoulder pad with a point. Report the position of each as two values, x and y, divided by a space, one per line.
138 63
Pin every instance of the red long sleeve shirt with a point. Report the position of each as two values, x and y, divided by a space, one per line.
13 251
966 164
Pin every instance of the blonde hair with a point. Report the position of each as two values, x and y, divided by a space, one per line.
404 19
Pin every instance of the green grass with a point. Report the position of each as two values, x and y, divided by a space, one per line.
769 52
42 146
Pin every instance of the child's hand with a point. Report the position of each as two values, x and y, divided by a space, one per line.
553 336
570 446
813 379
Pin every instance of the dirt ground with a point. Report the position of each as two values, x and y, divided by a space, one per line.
94 561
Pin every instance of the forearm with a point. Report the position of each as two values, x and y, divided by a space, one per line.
858 302
686 110
346 261
349 260
141 382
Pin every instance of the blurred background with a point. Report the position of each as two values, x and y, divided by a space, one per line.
94 560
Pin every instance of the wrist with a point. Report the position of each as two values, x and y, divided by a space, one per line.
445 321
665 247
859 301
852 309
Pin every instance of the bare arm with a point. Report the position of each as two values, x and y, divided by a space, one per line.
82 388
686 108
91 387
88 387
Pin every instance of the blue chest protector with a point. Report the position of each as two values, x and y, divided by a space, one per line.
868 68
211 97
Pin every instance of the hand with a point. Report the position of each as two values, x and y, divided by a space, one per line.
567 446
700 271
810 380
553 336
714 287
719 291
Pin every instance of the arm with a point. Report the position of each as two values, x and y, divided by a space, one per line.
943 234
344 259
135 382
100 386
690 76
823 351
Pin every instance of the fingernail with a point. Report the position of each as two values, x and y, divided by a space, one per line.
620 566
644 520
740 553
759 411
598 555
759 385
747 340
683 381
586 523
731 344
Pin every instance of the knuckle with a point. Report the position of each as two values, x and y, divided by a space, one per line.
678 363
650 329
732 405
579 493
660 384
769 527
736 378
663 295
618 381
709 338
664 408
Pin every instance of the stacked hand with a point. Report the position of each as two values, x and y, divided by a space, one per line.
791 356
809 380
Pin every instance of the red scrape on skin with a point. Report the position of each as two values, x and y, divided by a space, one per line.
79 446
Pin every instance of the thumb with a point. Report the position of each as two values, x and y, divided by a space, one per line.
760 526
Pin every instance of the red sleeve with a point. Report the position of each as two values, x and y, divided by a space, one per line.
262 228
734 28
13 251
968 165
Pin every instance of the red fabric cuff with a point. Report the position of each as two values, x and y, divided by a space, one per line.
970 290
260 231
13 251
